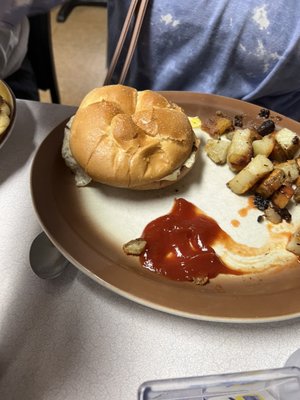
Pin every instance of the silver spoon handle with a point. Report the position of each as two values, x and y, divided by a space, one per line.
45 260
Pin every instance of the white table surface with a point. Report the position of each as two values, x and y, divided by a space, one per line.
70 338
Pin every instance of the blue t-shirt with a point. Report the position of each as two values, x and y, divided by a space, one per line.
248 50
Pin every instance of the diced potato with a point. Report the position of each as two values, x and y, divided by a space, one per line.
218 125
201 280
4 115
258 168
255 135
271 183
296 196
135 247
229 135
293 244
291 170
217 150
272 215
264 146
282 196
240 150
297 181
278 154
4 107
289 141
4 122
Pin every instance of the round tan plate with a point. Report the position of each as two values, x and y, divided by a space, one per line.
89 226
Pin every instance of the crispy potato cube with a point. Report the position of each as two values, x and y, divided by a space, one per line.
229 135
271 183
289 141
258 168
297 181
218 125
240 150
217 150
272 215
296 196
293 244
134 247
282 196
298 163
291 170
264 146
278 154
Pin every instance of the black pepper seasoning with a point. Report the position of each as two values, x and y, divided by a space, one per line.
264 113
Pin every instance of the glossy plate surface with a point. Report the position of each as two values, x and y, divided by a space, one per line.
89 226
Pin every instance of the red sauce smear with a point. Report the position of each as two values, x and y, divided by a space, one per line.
179 244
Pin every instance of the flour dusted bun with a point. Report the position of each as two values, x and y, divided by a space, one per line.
125 138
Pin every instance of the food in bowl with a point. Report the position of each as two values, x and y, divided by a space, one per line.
4 115
7 105
129 139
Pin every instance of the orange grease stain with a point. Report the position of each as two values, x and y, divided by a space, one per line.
280 235
243 212
235 223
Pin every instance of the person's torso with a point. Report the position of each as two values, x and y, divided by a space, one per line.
248 50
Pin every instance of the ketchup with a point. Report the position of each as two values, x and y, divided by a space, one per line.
179 244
